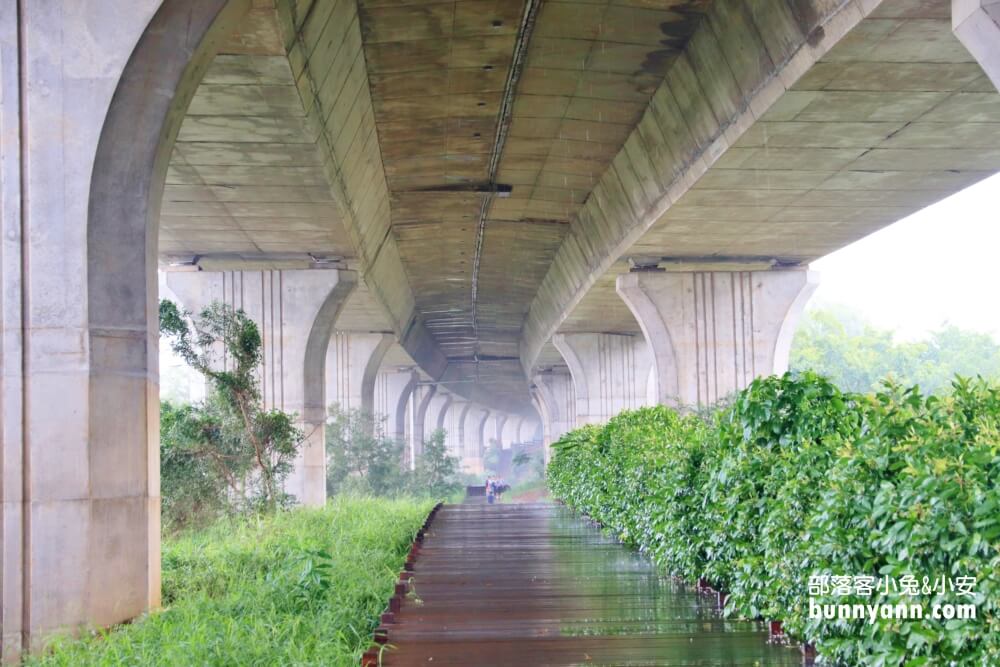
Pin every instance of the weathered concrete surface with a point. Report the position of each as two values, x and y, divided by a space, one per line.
611 373
712 333
778 134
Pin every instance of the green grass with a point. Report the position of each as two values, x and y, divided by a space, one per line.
301 588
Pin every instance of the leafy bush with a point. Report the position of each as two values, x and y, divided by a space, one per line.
796 478
303 587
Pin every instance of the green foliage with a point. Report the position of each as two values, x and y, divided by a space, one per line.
436 471
304 587
361 458
796 478
249 449
856 356
190 485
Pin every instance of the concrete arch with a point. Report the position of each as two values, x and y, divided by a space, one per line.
420 419
404 398
371 372
443 412
122 398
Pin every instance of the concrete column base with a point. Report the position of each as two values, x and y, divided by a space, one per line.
713 332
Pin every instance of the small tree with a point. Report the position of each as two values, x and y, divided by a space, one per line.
436 470
250 449
360 457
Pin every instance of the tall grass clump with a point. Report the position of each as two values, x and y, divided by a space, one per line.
302 587
795 479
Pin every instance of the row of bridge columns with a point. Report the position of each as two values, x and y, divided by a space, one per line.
295 312
705 335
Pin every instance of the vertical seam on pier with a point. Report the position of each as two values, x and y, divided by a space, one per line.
753 356
697 353
25 343
263 343
733 277
281 333
715 340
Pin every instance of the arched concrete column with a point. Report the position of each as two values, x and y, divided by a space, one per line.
712 333
609 371
499 422
555 401
510 428
421 402
456 419
473 434
392 399
351 368
437 412
92 99
295 312
976 23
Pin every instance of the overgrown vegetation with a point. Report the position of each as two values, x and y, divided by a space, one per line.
228 451
362 458
838 343
796 478
303 587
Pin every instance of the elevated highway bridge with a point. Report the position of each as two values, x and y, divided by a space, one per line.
504 218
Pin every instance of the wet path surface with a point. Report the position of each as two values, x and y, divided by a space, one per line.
533 584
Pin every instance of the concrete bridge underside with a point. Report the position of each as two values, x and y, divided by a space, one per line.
504 217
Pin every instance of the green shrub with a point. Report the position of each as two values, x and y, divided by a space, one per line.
796 478
300 587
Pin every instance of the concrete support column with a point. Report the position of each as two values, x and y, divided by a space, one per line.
454 426
423 394
437 413
555 401
351 368
610 373
499 422
393 390
295 312
976 23
510 429
474 438
712 333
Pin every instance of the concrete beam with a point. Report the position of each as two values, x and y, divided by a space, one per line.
738 63
712 333
976 23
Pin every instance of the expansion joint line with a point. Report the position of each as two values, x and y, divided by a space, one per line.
503 125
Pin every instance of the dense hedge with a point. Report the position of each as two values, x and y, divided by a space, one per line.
796 478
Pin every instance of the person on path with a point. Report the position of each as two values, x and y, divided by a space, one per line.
490 488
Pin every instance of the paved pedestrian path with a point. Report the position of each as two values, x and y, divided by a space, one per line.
532 584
